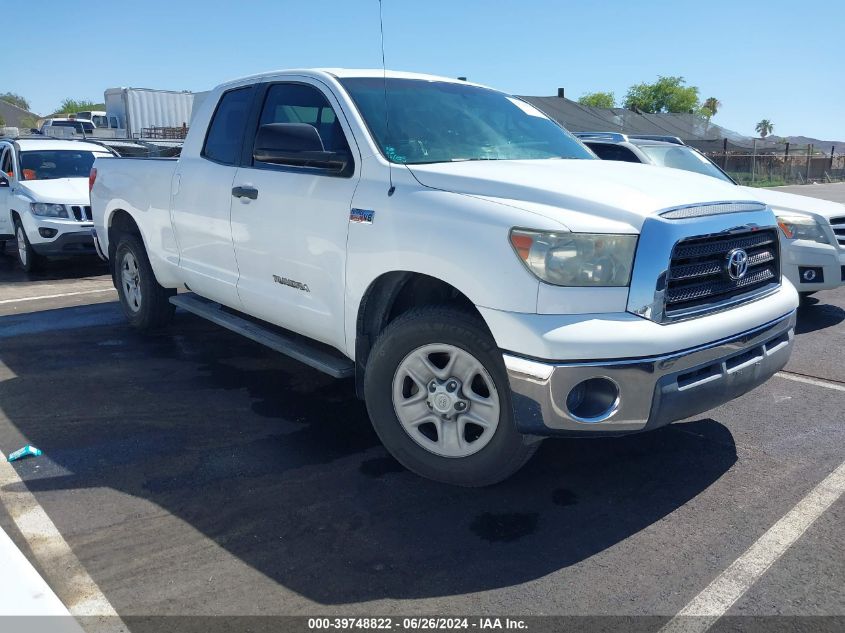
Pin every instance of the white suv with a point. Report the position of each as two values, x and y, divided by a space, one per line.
44 202
812 230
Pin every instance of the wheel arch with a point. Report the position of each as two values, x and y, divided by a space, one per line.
391 294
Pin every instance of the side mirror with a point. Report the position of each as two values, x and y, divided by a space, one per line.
296 145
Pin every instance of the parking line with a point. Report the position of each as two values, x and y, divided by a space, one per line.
77 589
58 296
818 382
714 601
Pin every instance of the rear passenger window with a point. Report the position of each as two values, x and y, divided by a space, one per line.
613 152
298 103
225 133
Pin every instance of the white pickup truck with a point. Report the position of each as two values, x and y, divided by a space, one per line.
483 278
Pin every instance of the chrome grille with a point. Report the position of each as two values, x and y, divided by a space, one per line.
838 225
697 277
81 213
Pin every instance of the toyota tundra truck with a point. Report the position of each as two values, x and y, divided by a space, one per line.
480 275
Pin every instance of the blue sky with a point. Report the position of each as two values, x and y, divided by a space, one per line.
772 59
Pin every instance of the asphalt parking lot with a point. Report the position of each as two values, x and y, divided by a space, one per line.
196 473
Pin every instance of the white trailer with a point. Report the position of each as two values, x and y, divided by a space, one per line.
137 109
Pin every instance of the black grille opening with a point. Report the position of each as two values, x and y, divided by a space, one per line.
698 273
81 213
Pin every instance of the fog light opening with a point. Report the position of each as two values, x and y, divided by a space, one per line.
593 400
47 233
809 275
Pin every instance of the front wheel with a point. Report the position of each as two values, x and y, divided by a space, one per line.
27 257
145 302
438 396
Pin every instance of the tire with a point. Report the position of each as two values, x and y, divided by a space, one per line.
452 449
27 257
145 302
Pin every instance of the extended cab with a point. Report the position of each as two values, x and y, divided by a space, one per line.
485 280
44 200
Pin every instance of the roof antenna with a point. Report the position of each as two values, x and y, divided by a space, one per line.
386 108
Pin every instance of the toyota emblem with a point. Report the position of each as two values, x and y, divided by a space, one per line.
737 264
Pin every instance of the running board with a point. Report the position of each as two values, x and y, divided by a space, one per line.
331 364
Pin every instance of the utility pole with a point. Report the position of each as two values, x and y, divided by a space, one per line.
809 156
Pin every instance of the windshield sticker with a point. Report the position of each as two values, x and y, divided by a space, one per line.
393 156
526 107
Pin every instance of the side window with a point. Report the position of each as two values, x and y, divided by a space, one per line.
613 152
6 164
223 140
298 103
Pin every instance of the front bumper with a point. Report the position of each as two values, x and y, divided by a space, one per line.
652 391
826 262
67 244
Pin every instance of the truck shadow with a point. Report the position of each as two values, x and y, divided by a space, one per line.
279 466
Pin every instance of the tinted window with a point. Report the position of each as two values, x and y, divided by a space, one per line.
613 152
438 121
52 164
223 141
297 103
6 166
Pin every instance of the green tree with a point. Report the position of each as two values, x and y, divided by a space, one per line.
764 128
69 106
667 94
598 99
2 121
15 99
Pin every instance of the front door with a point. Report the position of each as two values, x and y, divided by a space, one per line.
290 238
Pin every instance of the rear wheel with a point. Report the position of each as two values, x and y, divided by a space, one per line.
145 302
27 257
438 396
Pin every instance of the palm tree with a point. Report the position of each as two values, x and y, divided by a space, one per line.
712 104
764 128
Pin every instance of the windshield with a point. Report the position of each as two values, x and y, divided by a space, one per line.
52 164
437 121
679 157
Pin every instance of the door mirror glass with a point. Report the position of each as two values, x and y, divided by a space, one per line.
297 145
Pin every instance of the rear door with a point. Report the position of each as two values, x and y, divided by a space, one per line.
202 199
290 240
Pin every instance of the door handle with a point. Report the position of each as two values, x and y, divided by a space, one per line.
245 192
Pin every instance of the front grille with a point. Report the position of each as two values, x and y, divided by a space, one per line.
81 213
838 225
698 273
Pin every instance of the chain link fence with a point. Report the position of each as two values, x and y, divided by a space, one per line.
771 169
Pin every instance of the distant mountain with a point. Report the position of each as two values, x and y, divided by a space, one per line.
818 145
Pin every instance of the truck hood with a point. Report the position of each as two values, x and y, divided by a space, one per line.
583 195
58 191
781 201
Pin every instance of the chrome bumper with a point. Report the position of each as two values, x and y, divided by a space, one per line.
654 391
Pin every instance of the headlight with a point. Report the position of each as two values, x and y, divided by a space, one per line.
576 259
49 210
802 227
